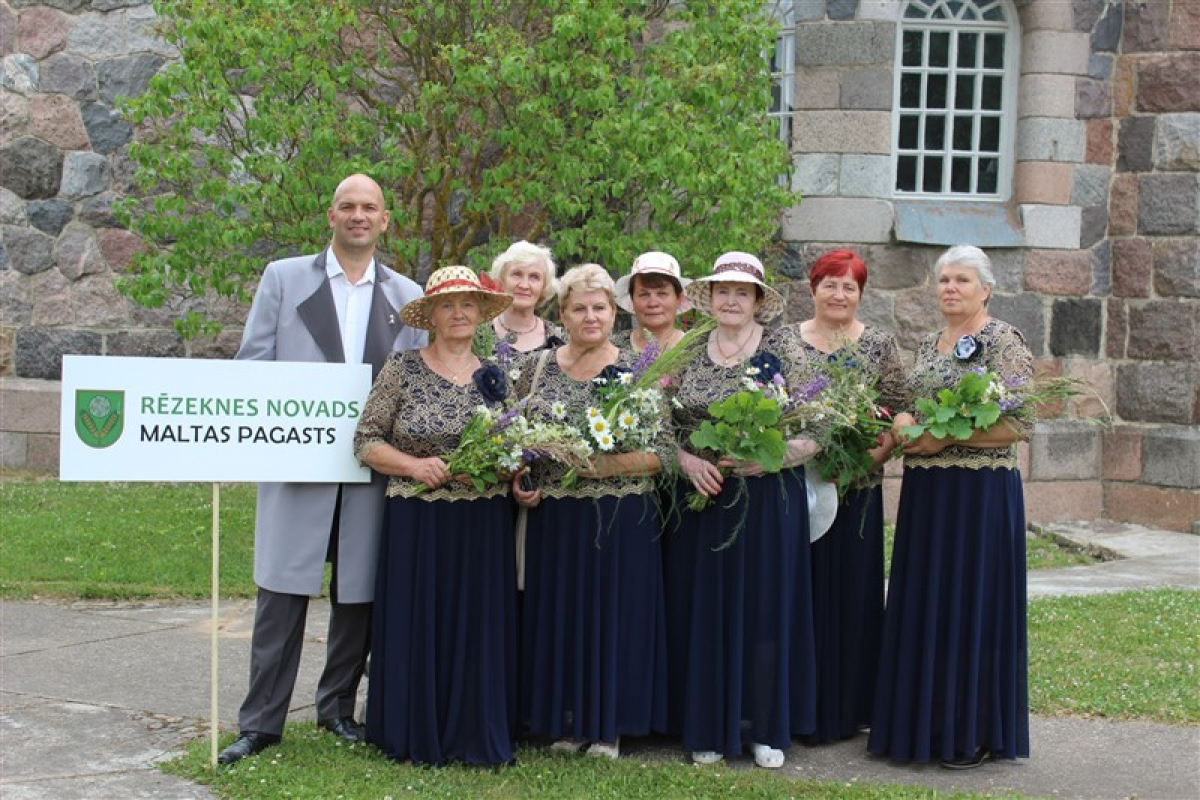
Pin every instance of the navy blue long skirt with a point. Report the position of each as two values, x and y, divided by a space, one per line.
740 619
443 677
593 632
953 675
847 575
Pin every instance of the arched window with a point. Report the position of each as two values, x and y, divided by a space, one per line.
783 69
956 86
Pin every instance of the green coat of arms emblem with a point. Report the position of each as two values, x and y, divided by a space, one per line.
99 417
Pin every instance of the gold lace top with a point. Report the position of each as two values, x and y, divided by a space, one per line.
420 413
877 355
703 382
555 386
1005 353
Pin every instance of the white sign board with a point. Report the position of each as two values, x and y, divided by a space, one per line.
183 419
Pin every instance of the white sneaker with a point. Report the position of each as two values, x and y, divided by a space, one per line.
706 757
768 757
606 750
568 746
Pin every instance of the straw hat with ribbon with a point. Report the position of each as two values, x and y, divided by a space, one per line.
736 267
452 280
652 263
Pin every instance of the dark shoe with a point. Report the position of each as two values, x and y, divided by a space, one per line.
982 754
247 744
346 728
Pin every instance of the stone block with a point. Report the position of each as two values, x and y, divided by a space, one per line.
29 406
1122 453
1146 27
1055 272
50 216
1065 53
1046 95
1056 227
40 350
55 119
118 247
808 10
917 315
1171 456
97 211
1093 98
1155 393
867 132
1043 182
841 10
41 31
14 116
77 252
1075 326
1164 330
1026 313
19 73
31 168
815 175
883 10
1185 26
50 294
1100 66
877 309
13 449
96 302
1046 17
127 76
1093 225
8 30
224 345
1167 204
84 174
1064 450
1116 329
29 251
1135 144
817 88
1133 260
15 307
1106 33
1102 269
1122 81
1063 501
1167 83
1177 267
1099 147
866 89
150 344
12 209
1046 139
1099 398
1177 146
70 75
865 176
42 453
1089 185
106 129
1122 205
838 219
893 267
1152 506
842 44
931 222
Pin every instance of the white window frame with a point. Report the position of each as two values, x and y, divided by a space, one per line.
783 118
952 21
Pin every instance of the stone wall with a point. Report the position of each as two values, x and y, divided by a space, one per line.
1097 254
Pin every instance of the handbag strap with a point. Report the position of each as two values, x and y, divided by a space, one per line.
539 369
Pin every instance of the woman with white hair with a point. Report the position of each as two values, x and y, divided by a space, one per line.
593 641
527 272
953 672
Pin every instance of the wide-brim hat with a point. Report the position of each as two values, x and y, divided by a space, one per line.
652 263
736 267
822 504
453 280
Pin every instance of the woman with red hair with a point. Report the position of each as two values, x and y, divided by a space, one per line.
847 562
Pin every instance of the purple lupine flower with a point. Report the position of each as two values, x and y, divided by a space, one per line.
509 416
505 353
646 358
811 389
1015 382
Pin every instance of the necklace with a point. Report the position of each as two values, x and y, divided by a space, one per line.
512 334
733 354
454 373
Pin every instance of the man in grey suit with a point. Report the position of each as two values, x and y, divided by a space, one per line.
340 305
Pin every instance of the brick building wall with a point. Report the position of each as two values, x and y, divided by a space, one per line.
1097 250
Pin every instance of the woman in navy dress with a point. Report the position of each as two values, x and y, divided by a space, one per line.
953 680
847 561
593 646
739 613
443 675
527 272
652 292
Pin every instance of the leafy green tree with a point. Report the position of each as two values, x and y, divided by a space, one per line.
601 127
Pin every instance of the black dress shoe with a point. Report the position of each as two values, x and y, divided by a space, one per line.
981 755
346 728
247 744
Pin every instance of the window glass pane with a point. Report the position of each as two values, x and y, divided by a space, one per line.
989 169
989 134
932 179
935 133
968 49
939 48
938 13
994 14
906 174
915 11
991 93
993 50
962 133
960 175
955 6
964 92
913 43
935 92
910 91
908 132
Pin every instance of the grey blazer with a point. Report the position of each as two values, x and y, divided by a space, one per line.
293 318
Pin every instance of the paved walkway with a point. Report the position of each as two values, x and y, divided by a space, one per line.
92 695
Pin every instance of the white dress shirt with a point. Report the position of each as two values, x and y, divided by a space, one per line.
353 303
